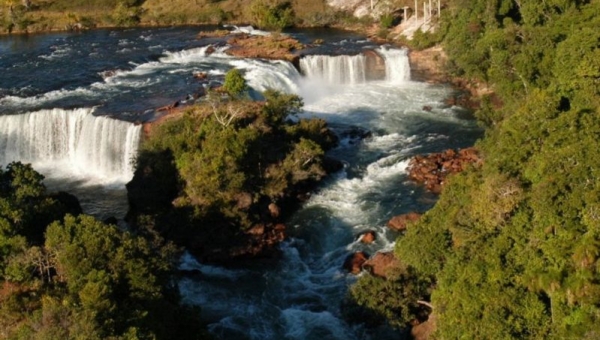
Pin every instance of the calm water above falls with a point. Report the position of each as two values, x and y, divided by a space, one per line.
54 88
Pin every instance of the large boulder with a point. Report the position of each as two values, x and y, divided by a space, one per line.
399 222
354 262
367 237
381 264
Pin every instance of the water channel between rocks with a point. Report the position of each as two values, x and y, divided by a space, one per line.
69 103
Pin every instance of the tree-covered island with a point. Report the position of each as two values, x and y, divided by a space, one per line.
510 251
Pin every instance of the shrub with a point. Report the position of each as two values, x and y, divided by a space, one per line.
124 15
386 21
272 15
235 84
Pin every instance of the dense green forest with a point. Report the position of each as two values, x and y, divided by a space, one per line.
65 275
511 249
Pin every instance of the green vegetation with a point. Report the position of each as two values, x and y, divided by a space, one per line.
373 300
42 15
78 278
235 84
513 245
210 174
272 14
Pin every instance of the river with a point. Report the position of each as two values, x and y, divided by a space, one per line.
71 104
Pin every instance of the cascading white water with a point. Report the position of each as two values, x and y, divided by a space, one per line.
397 66
299 296
97 146
264 75
338 70
341 69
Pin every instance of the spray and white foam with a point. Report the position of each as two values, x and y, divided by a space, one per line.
193 55
397 66
75 141
345 69
335 70
57 53
27 103
263 75
247 30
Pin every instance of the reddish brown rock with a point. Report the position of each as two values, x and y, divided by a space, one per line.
274 210
200 75
353 263
367 237
431 170
169 107
259 241
381 264
257 230
424 330
374 65
399 222
278 47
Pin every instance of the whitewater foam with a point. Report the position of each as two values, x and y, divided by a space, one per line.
99 147
336 70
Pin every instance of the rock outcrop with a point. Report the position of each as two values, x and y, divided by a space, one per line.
275 47
367 237
428 65
360 8
354 262
260 241
381 264
431 170
398 223
374 65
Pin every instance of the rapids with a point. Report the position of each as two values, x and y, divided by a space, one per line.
76 123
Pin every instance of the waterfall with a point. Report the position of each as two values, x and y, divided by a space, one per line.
358 69
335 69
90 145
397 66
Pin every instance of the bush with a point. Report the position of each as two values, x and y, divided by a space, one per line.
386 21
235 84
272 15
374 300
124 15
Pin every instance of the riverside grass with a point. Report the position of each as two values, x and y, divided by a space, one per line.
44 15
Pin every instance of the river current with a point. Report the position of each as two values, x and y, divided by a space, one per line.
70 104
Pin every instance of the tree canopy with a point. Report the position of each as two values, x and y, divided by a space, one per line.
513 245
74 277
